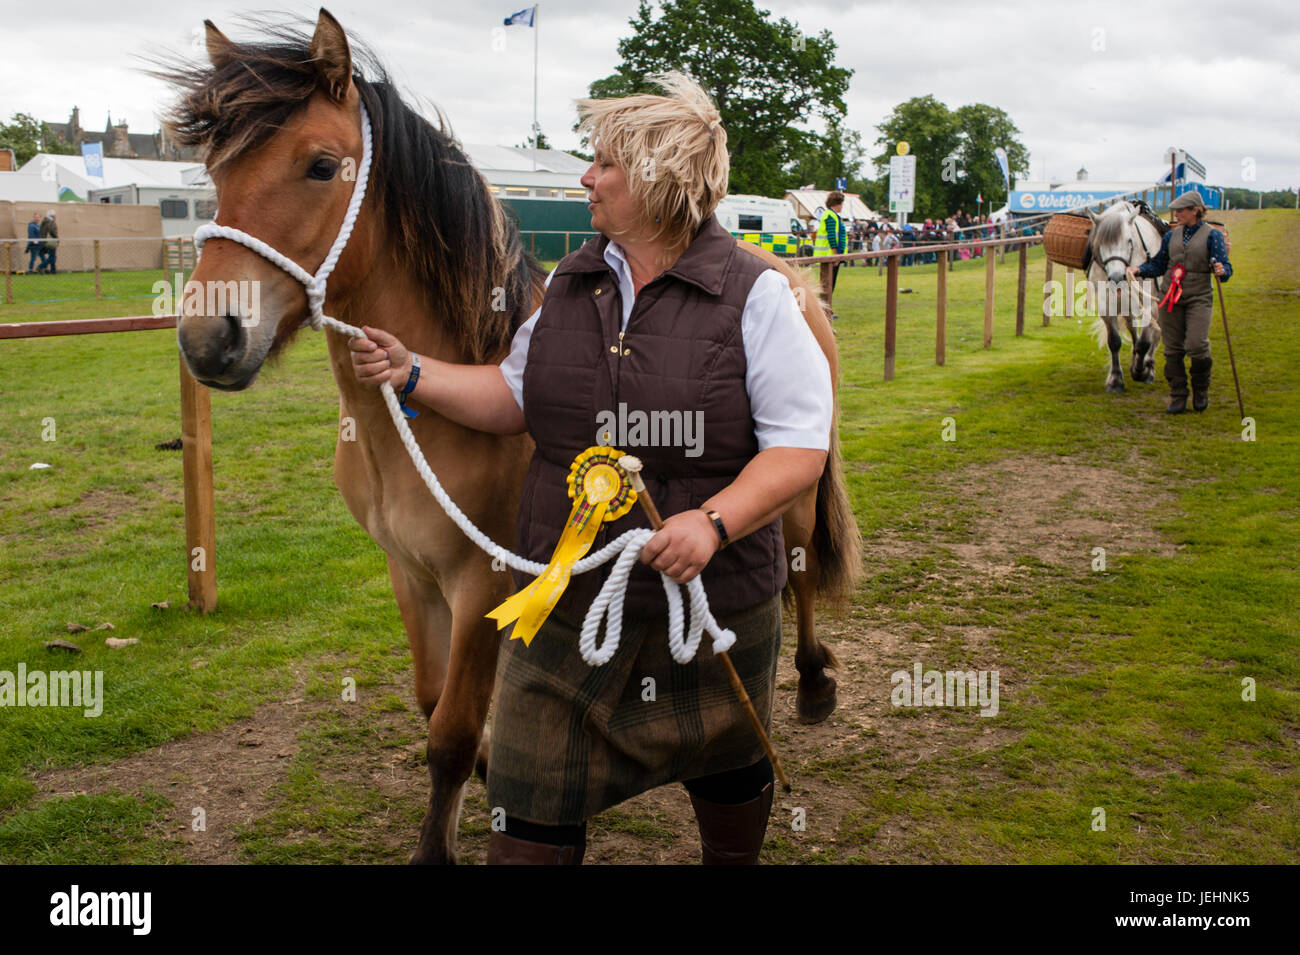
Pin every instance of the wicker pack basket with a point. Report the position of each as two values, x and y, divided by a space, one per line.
1065 239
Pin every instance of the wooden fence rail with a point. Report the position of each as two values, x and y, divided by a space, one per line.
942 250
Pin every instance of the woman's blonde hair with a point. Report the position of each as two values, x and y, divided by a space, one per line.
672 150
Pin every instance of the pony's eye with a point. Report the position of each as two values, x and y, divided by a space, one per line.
323 169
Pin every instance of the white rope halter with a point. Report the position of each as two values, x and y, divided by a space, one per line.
683 642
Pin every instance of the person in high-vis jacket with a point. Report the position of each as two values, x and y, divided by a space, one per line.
832 237
1189 252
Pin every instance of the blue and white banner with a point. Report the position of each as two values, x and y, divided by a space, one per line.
1054 200
524 18
92 154
1001 155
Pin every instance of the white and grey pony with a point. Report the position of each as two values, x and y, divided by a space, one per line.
1121 237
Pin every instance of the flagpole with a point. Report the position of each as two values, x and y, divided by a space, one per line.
536 136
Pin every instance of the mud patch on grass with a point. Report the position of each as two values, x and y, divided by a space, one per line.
231 774
1052 511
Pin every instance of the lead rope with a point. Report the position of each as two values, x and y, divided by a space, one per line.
683 641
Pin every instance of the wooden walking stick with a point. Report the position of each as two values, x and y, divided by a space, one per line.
632 465
1228 338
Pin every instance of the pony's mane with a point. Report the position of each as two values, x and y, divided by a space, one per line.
1112 225
448 229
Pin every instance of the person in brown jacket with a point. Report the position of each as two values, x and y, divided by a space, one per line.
661 314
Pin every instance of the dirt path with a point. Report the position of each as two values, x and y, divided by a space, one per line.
1055 510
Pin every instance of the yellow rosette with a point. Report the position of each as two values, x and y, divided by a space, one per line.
601 491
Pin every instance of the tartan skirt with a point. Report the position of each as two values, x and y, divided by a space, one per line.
570 740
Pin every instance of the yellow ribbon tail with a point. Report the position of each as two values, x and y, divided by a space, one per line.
529 608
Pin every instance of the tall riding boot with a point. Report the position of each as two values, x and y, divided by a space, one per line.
507 850
1201 382
732 835
1176 375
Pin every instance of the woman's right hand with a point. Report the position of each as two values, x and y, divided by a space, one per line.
381 358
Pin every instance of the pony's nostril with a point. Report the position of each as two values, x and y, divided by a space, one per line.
232 339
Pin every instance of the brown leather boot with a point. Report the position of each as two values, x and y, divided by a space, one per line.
1200 375
732 835
1176 375
507 850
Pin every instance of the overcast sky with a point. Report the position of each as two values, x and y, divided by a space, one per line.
1106 85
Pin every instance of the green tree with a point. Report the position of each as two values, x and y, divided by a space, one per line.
984 128
1240 198
769 81
543 142
826 157
931 132
27 136
954 154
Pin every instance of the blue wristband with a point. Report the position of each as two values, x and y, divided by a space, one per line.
410 386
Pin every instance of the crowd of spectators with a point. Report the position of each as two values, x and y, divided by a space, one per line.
881 235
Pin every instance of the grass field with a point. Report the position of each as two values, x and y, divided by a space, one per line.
1121 689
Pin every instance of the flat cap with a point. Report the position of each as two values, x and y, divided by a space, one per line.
1191 199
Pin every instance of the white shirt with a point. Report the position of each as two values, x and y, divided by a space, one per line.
787 377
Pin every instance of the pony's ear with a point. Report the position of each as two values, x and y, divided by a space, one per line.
220 48
1133 216
333 58
1091 214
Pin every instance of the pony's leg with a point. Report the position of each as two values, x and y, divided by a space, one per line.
815 699
427 620
1115 380
456 727
1150 338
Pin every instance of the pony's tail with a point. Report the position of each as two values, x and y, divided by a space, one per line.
836 540
1100 333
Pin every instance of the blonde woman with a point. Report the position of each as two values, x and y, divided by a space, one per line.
662 313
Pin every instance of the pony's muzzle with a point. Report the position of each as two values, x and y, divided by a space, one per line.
212 345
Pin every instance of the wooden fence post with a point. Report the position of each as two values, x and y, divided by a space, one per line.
566 245
989 261
1047 291
200 514
827 277
9 279
1020 289
98 291
1069 293
891 315
941 311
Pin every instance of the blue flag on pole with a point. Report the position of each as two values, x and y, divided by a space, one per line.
523 18
92 154
1001 155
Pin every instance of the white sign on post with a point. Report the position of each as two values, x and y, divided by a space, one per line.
902 183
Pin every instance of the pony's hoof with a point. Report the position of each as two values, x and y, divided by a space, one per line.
1115 389
815 706
422 856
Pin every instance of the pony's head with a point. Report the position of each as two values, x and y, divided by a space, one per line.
278 123
1115 242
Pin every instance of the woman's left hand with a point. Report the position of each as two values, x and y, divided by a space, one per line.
683 546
